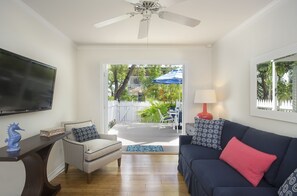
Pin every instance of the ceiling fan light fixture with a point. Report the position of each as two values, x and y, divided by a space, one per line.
152 6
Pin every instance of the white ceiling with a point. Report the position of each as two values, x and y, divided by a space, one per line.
75 18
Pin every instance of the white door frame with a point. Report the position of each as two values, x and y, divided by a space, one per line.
104 99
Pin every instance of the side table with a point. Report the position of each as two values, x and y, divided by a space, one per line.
34 154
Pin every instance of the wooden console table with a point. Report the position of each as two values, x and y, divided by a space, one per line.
34 154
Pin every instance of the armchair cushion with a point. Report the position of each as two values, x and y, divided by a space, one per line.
97 148
83 134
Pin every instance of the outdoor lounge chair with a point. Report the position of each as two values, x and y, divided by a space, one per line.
165 119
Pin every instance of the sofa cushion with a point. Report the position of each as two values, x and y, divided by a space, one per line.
288 165
270 143
99 147
290 185
185 139
217 173
83 134
195 152
208 133
75 124
251 163
245 191
232 129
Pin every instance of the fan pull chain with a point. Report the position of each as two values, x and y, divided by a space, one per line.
147 37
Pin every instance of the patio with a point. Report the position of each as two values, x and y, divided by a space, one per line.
147 134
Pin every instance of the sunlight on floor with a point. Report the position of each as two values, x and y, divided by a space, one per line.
126 142
147 134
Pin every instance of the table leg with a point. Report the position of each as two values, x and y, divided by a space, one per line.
36 174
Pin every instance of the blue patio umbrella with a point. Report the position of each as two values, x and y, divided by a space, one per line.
173 77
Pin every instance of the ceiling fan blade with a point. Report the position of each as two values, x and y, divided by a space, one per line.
191 22
133 1
143 28
168 3
113 20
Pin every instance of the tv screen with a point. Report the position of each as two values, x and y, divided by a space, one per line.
26 85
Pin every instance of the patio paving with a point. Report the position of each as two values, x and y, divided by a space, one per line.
147 134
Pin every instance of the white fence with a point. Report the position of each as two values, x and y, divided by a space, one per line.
125 111
268 105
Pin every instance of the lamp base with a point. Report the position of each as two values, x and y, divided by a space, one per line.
205 115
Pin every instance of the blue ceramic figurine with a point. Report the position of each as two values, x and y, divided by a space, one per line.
13 138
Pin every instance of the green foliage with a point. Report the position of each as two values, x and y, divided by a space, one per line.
284 87
116 77
127 97
121 71
284 91
112 123
151 114
284 70
159 92
169 92
264 80
146 74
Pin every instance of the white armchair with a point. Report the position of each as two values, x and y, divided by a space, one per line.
90 155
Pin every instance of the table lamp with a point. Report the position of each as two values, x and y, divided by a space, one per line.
205 97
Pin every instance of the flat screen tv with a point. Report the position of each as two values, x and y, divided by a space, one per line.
26 85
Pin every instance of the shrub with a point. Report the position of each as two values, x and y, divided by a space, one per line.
151 114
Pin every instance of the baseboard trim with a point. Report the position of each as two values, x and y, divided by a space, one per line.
56 172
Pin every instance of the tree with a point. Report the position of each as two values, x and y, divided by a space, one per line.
161 96
284 87
146 76
264 80
118 78
284 70
160 92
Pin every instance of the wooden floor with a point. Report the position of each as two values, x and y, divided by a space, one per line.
153 175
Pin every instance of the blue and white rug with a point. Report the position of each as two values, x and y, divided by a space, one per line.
148 148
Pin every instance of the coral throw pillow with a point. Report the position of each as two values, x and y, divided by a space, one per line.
249 162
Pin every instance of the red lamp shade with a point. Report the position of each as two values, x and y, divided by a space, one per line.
204 97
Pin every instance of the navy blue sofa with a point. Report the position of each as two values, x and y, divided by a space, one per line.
206 175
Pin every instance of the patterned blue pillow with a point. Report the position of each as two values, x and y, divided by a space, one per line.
290 185
208 133
85 133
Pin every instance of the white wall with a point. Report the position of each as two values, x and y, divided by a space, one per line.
273 28
197 61
22 32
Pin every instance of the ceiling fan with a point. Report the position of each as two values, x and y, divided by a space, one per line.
148 7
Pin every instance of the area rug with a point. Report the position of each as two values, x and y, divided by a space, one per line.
148 148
